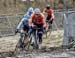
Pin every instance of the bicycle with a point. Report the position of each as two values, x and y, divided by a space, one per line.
36 38
23 43
48 29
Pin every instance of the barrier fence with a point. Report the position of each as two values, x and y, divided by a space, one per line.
8 24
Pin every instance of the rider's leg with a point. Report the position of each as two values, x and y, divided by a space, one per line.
40 38
50 24
32 35
40 42
40 33
48 18
51 21
48 21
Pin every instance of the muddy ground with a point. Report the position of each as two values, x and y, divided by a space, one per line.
52 48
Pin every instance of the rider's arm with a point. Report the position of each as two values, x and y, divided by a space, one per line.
20 24
44 22
26 16
52 15
30 20
44 11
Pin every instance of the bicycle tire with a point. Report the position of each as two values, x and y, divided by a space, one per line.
36 40
20 45
28 44
47 28
17 49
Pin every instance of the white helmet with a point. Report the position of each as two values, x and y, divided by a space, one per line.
37 11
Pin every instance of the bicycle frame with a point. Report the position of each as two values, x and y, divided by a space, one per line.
36 38
23 41
48 29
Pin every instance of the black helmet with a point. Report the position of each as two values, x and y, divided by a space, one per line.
48 6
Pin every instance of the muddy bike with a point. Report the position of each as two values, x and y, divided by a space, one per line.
36 33
24 42
48 29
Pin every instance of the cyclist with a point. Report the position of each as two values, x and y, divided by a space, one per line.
37 20
24 24
50 14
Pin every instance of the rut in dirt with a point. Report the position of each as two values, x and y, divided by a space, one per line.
46 53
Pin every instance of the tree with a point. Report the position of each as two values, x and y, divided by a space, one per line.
14 3
61 1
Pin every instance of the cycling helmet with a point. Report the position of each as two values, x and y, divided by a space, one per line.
30 11
48 6
37 11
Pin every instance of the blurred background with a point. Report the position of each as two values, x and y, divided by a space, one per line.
20 6
12 11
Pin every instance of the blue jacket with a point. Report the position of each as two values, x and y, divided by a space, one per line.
25 19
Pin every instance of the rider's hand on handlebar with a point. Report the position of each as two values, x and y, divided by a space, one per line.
33 26
16 31
50 19
44 28
21 31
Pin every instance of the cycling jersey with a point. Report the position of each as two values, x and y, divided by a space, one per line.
37 19
25 19
48 11
50 15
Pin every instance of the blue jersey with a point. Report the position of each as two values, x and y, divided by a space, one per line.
25 19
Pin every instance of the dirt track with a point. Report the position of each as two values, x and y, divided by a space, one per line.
8 44
51 53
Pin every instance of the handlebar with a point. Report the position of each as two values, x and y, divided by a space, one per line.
18 31
38 28
47 21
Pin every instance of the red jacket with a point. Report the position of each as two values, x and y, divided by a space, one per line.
38 19
50 12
